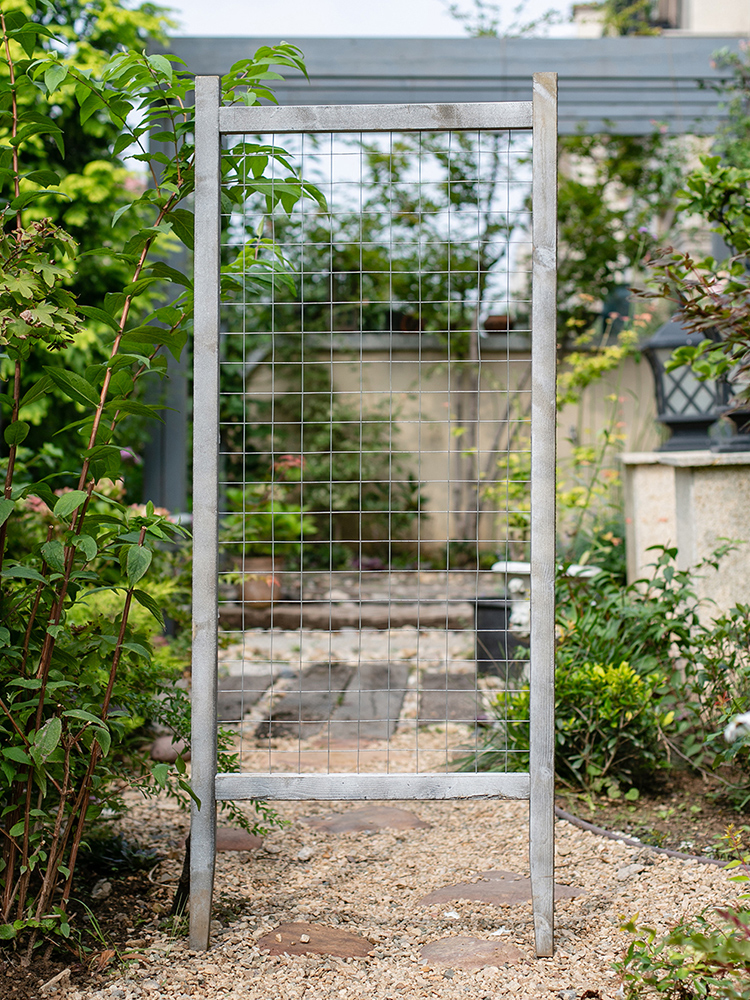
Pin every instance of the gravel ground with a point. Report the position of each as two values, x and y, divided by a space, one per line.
371 883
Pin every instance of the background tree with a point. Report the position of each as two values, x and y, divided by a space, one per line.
89 182
712 296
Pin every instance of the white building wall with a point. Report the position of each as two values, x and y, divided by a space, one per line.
715 17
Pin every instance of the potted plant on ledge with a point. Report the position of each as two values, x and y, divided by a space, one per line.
262 534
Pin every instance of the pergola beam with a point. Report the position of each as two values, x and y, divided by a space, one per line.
626 85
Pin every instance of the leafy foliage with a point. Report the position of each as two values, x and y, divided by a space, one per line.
78 673
707 956
78 184
720 681
712 297
620 700
608 720
616 195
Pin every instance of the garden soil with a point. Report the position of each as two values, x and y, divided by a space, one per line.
314 888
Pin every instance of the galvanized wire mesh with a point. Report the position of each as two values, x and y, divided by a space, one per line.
375 453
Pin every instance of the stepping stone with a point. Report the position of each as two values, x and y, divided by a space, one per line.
232 838
498 887
166 749
372 702
444 696
304 710
469 953
369 818
288 939
237 695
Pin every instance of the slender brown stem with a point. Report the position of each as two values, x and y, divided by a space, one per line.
57 843
34 609
14 114
8 492
6 711
95 749
116 347
45 659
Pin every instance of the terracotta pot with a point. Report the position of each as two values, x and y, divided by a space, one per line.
260 586
497 323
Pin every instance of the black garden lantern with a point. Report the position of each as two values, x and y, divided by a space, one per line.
686 405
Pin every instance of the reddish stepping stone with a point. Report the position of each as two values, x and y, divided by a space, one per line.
230 838
300 938
469 953
369 818
498 887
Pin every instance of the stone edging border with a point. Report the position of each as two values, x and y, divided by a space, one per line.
592 828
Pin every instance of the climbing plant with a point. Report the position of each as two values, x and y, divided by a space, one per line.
77 673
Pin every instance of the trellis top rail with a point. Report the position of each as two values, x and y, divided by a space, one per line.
500 115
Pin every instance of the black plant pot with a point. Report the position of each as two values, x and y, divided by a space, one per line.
496 646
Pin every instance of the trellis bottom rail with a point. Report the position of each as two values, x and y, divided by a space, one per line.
341 787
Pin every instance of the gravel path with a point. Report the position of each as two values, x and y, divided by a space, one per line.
371 884
367 888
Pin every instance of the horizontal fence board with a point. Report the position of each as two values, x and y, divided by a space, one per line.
620 84
339 787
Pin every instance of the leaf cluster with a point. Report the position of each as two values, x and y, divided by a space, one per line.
617 717
78 675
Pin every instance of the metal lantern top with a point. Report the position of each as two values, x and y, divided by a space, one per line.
685 404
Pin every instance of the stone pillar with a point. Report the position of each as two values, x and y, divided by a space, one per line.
692 500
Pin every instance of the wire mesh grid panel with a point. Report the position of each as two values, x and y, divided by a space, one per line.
365 483
373 388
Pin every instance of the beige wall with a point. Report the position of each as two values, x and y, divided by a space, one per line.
426 399
716 17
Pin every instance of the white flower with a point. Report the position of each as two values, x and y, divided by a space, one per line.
739 726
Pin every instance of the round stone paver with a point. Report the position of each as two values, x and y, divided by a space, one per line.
498 887
302 938
469 953
232 838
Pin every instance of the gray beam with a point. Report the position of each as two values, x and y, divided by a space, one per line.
622 85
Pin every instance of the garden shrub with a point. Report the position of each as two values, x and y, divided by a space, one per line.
706 956
638 675
78 674
608 721
718 680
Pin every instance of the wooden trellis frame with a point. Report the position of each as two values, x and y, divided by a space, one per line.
212 124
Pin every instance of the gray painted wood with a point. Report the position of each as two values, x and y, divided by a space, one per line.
619 84
543 364
374 118
347 787
205 508
444 785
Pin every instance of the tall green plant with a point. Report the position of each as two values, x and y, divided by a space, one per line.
73 685
94 182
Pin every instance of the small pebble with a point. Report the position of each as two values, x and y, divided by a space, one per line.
101 890
305 854
624 873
